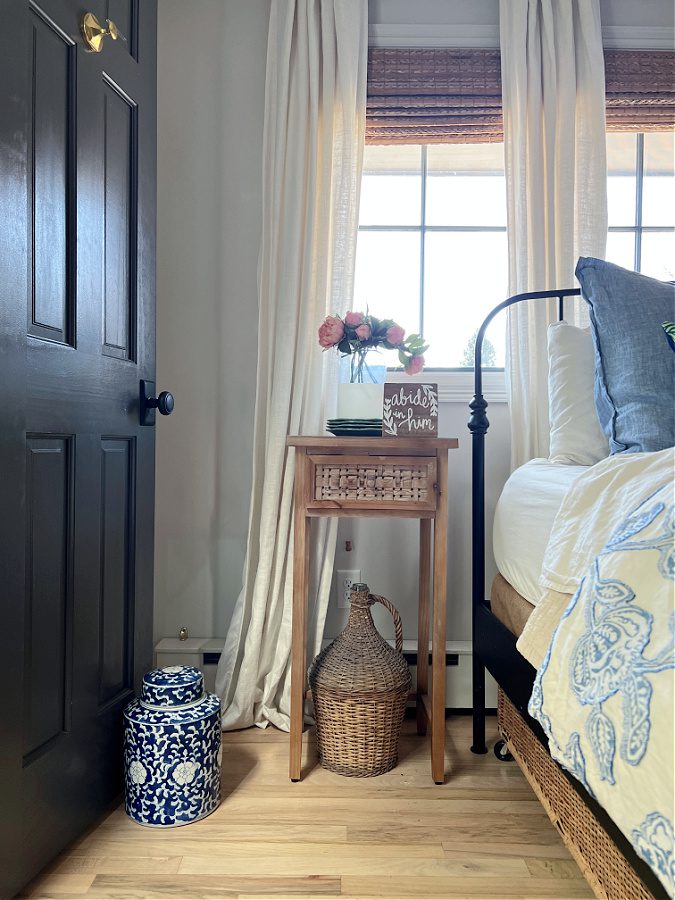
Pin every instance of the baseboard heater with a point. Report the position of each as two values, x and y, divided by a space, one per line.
204 653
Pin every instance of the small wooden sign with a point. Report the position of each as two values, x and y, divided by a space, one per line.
410 409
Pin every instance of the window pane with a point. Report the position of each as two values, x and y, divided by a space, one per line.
466 275
465 185
658 255
387 280
391 187
621 248
621 164
658 189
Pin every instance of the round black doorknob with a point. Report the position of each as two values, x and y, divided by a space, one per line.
165 403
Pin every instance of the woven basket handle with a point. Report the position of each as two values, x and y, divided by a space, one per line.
398 626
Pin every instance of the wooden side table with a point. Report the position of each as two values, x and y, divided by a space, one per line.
401 477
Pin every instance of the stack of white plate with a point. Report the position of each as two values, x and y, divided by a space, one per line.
355 427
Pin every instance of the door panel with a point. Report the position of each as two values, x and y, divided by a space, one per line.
120 190
77 231
117 564
52 207
48 612
124 14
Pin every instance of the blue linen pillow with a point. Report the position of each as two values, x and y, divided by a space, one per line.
634 366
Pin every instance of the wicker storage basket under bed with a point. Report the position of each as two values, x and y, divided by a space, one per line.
604 866
360 688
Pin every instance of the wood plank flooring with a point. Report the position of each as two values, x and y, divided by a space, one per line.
481 834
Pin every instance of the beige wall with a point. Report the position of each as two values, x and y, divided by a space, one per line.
211 96
211 73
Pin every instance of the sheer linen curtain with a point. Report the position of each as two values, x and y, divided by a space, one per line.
315 100
553 95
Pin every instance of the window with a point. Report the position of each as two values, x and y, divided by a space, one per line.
641 202
432 250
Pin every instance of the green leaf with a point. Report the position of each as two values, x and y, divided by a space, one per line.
345 347
411 346
403 358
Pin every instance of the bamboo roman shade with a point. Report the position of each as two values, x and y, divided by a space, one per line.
640 90
426 95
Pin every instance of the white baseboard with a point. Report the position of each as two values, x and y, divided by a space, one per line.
204 653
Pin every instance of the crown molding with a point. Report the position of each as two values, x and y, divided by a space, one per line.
638 37
615 37
471 36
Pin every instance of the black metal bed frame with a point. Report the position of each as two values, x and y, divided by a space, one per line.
493 644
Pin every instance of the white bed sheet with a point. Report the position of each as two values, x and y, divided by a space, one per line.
523 521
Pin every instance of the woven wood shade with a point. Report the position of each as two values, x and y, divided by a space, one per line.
433 96
454 96
640 90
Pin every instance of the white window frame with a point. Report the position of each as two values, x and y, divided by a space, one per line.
638 229
455 384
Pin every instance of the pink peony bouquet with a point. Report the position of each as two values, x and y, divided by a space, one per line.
357 334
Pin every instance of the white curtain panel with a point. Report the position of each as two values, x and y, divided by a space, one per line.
315 100
553 87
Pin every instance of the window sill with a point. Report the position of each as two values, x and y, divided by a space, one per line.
457 387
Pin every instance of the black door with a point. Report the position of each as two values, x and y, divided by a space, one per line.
77 326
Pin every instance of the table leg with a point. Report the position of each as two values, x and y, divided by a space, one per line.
438 631
299 616
423 624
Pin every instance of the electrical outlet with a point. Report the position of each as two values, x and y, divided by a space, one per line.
345 579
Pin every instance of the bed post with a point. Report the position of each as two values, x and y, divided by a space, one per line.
478 426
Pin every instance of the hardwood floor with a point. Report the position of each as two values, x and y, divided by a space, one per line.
482 834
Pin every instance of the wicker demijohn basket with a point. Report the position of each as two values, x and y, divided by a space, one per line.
360 689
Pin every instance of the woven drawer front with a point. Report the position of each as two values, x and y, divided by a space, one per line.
405 481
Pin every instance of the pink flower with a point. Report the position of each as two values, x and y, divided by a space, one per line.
331 332
363 332
415 365
353 318
395 335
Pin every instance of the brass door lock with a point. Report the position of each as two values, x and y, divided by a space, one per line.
93 32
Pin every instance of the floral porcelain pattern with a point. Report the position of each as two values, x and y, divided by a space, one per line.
610 663
172 686
137 771
184 772
172 755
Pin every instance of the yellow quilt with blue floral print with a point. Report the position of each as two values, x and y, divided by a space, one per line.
605 691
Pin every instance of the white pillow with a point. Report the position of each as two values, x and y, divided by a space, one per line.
576 436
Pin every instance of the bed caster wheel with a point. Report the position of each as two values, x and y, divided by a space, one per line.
502 752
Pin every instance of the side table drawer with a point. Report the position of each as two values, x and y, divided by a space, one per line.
377 482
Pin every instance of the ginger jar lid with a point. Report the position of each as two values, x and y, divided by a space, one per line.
171 687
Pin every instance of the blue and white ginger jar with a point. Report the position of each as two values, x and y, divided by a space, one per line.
172 749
